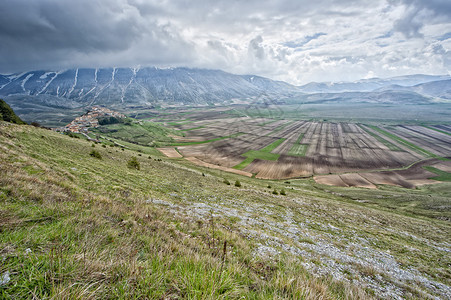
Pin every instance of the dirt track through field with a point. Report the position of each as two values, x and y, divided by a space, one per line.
211 166
170 152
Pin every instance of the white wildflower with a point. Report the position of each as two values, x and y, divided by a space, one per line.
5 278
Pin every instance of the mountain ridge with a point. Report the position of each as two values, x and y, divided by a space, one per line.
145 86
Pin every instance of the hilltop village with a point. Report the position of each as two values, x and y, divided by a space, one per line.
90 120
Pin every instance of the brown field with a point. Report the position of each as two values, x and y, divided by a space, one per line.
170 152
408 178
428 139
343 154
211 166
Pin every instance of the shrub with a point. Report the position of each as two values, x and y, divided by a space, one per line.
95 154
226 182
282 192
109 120
275 192
72 135
269 186
238 183
133 163
104 146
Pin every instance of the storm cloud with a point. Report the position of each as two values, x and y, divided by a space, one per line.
295 41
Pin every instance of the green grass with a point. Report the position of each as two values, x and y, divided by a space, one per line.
298 150
264 154
272 146
442 175
408 144
301 136
98 229
388 144
143 133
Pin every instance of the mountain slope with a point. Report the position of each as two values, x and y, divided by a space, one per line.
76 227
7 114
132 86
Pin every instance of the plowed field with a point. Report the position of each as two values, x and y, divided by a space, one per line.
352 152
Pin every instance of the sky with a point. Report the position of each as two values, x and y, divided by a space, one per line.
297 41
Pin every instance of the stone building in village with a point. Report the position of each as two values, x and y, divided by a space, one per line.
90 120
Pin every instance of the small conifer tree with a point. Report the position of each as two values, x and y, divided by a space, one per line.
95 154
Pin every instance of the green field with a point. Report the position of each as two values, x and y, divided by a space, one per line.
264 154
144 133
442 175
298 150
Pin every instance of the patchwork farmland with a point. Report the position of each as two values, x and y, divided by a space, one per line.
344 154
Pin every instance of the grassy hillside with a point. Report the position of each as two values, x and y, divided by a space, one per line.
143 133
7 114
76 226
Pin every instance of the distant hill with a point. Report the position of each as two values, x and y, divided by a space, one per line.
373 84
440 89
7 114
379 97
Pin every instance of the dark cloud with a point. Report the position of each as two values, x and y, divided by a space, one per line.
288 40
421 12
41 32
256 49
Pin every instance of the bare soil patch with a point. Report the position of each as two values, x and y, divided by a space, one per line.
211 166
354 179
170 152
412 177
330 180
444 166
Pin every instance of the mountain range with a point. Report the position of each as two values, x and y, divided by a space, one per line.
138 87
50 92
